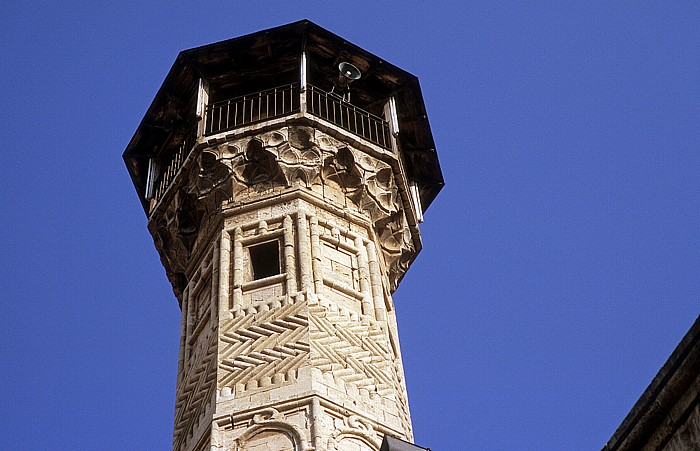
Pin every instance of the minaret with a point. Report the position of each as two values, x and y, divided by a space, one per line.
284 175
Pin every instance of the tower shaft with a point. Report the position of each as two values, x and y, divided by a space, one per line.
285 217
289 336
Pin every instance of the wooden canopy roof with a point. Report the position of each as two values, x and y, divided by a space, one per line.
271 57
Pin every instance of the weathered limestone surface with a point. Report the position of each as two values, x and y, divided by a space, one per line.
308 357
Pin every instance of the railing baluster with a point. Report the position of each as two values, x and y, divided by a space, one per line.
354 115
243 115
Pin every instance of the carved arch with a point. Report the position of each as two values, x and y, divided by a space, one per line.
270 420
354 428
287 435
369 442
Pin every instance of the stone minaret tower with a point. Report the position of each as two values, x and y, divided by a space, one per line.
284 175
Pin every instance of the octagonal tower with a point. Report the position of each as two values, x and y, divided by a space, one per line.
284 175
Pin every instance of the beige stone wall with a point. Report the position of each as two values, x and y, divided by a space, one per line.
306 357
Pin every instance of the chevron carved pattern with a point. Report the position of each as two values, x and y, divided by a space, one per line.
260 349
357 352
194 391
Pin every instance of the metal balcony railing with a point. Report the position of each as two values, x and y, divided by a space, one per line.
347 116
261 106
251 108
283 100
171 164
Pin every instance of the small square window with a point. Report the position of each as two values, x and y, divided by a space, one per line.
265 259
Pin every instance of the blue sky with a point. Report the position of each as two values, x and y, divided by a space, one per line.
560 265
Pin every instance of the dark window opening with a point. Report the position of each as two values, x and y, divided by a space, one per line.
265 259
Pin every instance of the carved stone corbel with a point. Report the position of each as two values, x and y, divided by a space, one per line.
210 181
300 158
257 167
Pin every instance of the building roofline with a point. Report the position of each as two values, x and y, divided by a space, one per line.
240 54
651 411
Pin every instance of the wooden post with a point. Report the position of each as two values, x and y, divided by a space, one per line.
302 84
202 101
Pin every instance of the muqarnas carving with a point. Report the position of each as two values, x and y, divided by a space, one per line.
303 156
292 156
206 184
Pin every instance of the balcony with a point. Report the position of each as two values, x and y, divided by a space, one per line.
261 106
251 108
162 171
200 99
347 116
284 100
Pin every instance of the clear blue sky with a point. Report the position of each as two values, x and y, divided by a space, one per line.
561 263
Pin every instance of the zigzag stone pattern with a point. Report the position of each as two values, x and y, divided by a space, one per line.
263 349
355 351
195 394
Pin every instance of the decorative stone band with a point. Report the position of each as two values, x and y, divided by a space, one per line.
251 168
309 423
